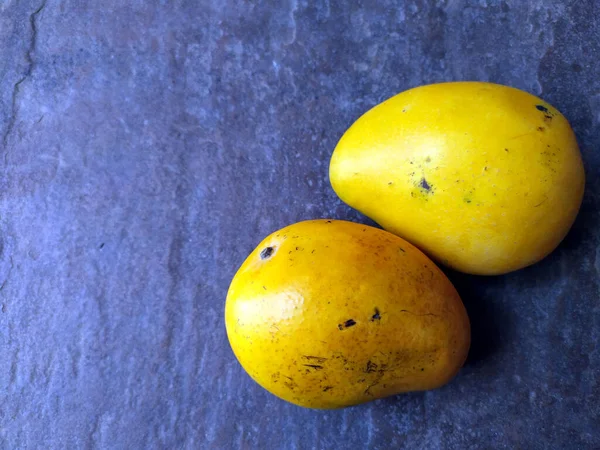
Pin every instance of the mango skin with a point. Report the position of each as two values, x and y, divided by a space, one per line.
336 313
484 178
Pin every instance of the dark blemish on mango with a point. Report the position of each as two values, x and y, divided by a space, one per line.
422 369
329 221
371 367
389 183
467 200
547 113
404 110
376 316
326 388
318 359
296 248
264 288
506 150
428 159
540 128
313 251
313 366
368 390
347 324
402 250
425 185
266 252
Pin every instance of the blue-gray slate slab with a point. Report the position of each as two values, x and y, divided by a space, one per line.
148 146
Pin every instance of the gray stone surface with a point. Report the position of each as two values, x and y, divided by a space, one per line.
148 146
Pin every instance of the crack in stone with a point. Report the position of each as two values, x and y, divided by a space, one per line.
28 71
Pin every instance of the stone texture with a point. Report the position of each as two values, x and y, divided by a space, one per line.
148 146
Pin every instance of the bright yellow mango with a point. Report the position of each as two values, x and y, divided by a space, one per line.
484 178
326 314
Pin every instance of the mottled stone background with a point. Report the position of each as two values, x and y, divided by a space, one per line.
148 146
